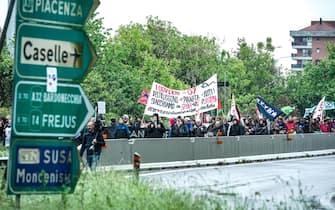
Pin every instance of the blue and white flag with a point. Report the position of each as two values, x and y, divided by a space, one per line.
309 111
329 105
266 109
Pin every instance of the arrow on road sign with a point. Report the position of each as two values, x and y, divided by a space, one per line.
40 113
40 46
72 13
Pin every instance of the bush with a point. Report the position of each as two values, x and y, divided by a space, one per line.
4 111
112 190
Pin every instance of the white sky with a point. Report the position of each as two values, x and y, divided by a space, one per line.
224 19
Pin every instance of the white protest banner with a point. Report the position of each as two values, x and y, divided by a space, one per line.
319 109
172 103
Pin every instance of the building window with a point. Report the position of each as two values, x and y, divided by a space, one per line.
317 50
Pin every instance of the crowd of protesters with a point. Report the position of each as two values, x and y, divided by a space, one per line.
155 127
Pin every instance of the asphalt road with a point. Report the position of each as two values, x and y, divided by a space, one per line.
307 181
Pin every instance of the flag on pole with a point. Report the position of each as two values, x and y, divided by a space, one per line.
144 97
234 110
266 109
287 109
319 109
220 111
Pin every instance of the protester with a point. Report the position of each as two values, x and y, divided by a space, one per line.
291 126
261 127
308 125
316 125
301 125
127 120
155 131
235 129
92 143
217 130
250 126
179 129
110 129
121 130
2 130
139 123
8 128
326 126
198 130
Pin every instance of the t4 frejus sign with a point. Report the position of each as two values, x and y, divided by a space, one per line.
41 113
172 103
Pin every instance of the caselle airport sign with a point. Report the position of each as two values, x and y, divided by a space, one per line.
38 46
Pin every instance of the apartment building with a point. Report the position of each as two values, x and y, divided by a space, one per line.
311 43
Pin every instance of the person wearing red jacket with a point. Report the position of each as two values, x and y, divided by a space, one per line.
291 126
326 126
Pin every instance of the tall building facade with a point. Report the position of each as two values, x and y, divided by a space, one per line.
311 43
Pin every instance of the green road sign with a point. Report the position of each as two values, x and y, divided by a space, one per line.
39 113
42 166
65 12
39 47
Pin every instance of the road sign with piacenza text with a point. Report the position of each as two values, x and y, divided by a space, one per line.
63 12
41 46
40 113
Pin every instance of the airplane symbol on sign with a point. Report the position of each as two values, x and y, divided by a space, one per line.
76 56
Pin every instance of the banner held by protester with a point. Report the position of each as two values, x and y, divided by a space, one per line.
172 103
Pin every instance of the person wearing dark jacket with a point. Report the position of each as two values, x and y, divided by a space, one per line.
155 132
179 129
198 130
121 130
218 129
236 129
92 142
261 127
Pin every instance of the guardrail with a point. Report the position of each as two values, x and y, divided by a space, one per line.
120 151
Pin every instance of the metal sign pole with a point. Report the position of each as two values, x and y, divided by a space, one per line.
17 201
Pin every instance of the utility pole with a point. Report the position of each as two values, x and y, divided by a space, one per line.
225 93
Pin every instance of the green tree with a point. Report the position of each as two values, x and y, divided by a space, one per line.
306 88
129 62
252 73
138 54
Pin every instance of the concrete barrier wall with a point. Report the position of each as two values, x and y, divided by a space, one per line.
120 151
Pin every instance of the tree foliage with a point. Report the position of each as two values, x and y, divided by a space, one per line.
133 56
252 72
139 54
317 80
6 81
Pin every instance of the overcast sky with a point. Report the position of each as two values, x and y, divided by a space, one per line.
224 19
